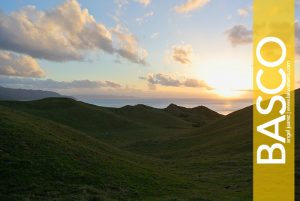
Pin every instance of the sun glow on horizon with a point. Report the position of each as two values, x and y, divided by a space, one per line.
227 92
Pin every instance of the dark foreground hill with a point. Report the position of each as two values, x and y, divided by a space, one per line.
61 149
25 94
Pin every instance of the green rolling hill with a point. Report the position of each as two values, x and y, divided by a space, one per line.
199 116
44 160
151 116
62 149
78 115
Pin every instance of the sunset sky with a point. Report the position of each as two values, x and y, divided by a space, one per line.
140 48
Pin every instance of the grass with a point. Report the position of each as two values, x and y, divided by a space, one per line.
62 149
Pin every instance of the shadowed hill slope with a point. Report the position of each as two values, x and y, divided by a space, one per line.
78 115
199 116
151 116
86 117
232 133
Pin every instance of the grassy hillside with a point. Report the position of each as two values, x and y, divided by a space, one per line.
199 116
151 116
78 115
123 126
43 160
217 157
61 149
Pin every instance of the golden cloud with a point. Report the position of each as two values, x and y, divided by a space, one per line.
190 5
19 65
174 81
65 33
182 54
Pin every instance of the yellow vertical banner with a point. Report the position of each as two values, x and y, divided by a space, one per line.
273 112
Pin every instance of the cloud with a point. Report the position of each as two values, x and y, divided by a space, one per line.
154 35
60 34
140 20
168 80
122 3
112 84
64 33
196 84
243 12
190 5
163 79
182 54
144 2
149 14
55 85
19 65
128 46
239 35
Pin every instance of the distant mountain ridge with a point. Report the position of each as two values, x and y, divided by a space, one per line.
25 94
